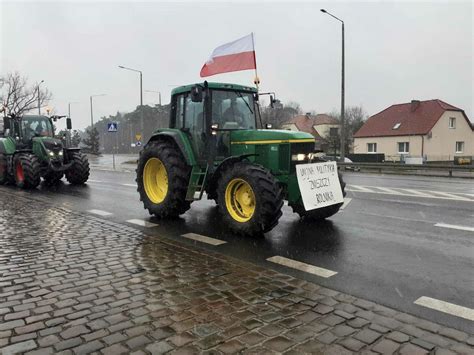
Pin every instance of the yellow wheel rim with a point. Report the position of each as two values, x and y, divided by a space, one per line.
240 200
155 180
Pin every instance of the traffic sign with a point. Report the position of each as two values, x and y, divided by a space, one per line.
138 144
138 137
112 127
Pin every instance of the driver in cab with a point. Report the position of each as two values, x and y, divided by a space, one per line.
233 115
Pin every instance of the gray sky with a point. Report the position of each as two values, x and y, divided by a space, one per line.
395 52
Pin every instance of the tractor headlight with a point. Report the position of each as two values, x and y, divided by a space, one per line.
298 157
50 153
60 153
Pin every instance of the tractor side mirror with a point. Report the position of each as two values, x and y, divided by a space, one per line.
196 94
68 123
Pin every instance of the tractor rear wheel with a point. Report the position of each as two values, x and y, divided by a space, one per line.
78 173
53 177
250 199
162 179
320 213
27 171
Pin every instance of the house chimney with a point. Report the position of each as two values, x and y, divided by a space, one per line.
414 105
308 115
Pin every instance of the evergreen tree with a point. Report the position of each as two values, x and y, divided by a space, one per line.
75 138
91 141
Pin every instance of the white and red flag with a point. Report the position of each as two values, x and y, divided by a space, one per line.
232 56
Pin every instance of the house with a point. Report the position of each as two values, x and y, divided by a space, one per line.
321 126
433 130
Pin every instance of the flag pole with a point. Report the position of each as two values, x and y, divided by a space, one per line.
256 80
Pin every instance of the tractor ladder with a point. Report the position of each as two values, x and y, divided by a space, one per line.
197 183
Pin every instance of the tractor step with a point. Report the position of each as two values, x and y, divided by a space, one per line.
197 182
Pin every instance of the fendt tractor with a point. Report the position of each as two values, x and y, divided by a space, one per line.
213 145
30 151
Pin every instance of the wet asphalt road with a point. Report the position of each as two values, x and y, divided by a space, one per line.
384 245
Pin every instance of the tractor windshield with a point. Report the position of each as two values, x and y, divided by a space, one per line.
36 126
233 109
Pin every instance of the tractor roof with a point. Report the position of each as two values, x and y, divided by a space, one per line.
222 86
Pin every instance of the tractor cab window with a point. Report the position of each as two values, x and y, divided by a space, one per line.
233 110
36 127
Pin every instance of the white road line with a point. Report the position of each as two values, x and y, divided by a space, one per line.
347 200
417 193
132 185
453 226
315 270
450 196
142 223
100 212
90 180
358 188
446 307
203 239
389 191
398 291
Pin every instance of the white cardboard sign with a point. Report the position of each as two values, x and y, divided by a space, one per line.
319 184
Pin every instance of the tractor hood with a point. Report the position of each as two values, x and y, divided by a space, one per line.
49 143
265 136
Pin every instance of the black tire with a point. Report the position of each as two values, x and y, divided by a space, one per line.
53 177
178 173
267 193
27 171
3 169
79 171
320 213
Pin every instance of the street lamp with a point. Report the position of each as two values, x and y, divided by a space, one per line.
39 103
92 111
342 88
156 92
141 93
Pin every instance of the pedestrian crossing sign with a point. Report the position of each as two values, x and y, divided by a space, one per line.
112 127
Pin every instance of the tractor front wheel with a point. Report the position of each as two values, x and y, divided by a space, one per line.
27 171
319 213
78 173
162 179
250 199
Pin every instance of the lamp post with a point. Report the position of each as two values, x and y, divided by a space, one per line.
92 111
342 89
39 102
141 93
156 92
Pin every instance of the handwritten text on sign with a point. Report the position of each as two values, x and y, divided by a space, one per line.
319 185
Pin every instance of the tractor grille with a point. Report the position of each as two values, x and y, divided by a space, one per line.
54 146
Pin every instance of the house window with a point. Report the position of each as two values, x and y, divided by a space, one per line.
397 126
459 147
372 147
452 122
333 132
403 147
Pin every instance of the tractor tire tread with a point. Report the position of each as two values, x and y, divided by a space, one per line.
79 172
31 171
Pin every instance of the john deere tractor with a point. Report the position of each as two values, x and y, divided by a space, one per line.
30 151
213 145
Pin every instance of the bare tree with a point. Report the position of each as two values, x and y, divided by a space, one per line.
18 97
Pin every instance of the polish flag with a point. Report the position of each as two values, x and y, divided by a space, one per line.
232 56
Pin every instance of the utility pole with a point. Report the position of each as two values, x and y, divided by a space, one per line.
39 101
343 148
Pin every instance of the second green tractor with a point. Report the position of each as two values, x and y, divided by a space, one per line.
213 146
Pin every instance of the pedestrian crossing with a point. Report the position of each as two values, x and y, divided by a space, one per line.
397 191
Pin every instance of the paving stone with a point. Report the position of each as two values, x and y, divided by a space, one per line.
114 338
423 344
231 347
453 334
358 322
115 350
210 341
19 347
181 339
386 346
378 328
323 309
67 344
74 332
332 320
335 349
252 338
88 347
162 333
410 349
11 324
42 351
278 344
352 344
326 338
367 336
300 334
161 347
342 330
16 315
398 337
271 330
444 352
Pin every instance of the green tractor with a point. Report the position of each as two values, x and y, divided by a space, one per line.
213 145
30 151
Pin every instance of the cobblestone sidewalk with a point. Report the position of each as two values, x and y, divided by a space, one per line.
75 284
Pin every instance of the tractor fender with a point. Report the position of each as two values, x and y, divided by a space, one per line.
227 162
178 139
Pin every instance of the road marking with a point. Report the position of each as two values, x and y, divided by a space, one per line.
132 185
453 226
450 196
315 270
347 200
100 212
389 191
142 223
398 291
417 193
203 239
90 180
446 307
359 188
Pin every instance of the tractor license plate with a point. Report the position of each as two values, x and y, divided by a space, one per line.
319 185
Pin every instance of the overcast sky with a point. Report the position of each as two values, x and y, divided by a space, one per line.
395 52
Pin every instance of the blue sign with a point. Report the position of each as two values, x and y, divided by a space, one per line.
112 127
